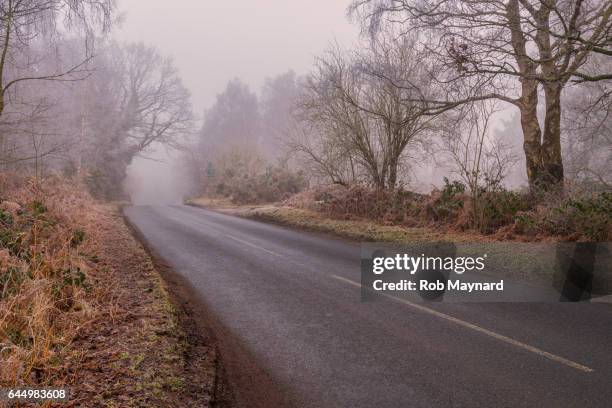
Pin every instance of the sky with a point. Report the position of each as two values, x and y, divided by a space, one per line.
213 42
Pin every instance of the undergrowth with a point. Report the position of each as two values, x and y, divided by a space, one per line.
507 214
45 278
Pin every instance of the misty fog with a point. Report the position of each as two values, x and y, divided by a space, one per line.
213 42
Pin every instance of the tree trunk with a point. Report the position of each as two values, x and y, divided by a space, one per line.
552 162
542 149
392 174
532 134
543 154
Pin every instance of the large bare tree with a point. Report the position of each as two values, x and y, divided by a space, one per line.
134 100
517 51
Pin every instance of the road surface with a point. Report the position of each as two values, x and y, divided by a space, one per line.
295 333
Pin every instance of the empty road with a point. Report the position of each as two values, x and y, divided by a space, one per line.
294 332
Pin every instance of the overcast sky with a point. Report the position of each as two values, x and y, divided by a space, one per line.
215 41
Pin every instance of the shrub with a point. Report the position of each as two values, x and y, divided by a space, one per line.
386 206
496 209
447 203
106 182
275 183
78 236
585 217
98 184
6 219
245 178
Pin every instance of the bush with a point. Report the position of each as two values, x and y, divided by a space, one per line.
276 183
496 209
99 185
585 217
578 217
245 178
447 203
386 206
106 182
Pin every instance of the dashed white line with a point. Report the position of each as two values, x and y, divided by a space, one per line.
253 245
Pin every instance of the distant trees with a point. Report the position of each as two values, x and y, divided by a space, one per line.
240 149
277 102
233 121
518 51
230 132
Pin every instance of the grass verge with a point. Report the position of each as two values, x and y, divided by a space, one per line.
82 306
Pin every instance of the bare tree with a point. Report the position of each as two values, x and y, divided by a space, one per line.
481 161
23 22
507 51
133 101
397 109
154 105
327 109
32 134
363 116
324 158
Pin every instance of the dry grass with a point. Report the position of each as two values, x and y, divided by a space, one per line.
47 295
213 203
83 306
357 229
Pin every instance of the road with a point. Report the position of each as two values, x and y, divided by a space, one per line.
294 332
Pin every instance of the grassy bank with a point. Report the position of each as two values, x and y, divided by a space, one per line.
82 305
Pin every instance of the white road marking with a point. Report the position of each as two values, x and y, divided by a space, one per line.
209 227
482 330
253 245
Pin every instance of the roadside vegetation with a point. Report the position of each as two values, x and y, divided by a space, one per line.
83 307
81 304
499 214
447 214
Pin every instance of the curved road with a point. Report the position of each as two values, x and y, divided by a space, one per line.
298 335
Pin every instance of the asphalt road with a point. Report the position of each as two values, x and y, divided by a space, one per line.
295 333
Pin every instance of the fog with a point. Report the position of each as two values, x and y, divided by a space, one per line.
212 42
